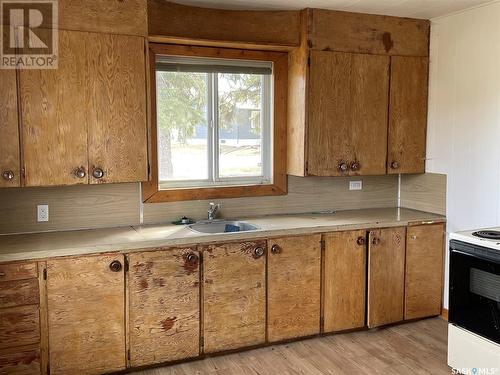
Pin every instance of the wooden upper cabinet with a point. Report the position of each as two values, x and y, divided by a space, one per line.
54 106
348 101
344 288
86 314
117 129
386 273
88 114
408 114
339 90
294 284
106 16
164 306
368 33
10 166
424 270
234 295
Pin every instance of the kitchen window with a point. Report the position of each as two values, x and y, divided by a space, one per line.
218 126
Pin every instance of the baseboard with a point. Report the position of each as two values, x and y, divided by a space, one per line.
444 314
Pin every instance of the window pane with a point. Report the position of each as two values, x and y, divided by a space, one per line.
240 125
182 108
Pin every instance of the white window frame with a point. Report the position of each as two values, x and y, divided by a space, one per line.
267 116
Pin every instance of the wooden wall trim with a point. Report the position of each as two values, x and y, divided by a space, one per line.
298 81
444 314
279 28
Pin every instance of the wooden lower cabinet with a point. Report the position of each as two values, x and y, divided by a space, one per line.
86 314
344 288
22 324
234 295
294 287
21 361
103 313
19 326
164 305
424 270
386 272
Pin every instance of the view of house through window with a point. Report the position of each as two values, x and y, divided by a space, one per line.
214 122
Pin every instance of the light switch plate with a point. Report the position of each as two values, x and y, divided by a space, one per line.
355 185
42 212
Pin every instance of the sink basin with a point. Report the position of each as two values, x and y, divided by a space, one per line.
222 226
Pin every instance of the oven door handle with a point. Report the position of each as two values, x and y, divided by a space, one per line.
493 259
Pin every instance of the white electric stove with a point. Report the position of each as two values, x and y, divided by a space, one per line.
474 307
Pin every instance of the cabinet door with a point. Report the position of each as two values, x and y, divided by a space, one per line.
386 268
164 307
348 105
9 145
408 114
86 120
86 313
117 96
54 110
424 271
234 295
344 280
294 283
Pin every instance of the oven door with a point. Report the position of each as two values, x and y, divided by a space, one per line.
475 289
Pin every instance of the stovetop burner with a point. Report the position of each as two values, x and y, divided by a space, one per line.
488 234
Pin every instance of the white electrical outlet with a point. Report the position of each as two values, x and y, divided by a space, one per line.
42 212
355 185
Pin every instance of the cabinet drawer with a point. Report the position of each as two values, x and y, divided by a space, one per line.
19 326
18 271
19 293
20 361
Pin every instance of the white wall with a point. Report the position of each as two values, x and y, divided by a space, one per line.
464 115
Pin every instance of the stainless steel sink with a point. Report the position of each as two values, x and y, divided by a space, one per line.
222 226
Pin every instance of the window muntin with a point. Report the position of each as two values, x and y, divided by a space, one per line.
214 122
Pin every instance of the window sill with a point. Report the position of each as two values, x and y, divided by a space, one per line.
175 195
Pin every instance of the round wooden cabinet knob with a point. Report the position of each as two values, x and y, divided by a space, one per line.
192 258
115 266
376 241
395 165
275 249
98 173
361 241
8 175
355 166
343 167
80 172
258 252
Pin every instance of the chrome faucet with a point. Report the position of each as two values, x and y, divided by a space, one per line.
212 210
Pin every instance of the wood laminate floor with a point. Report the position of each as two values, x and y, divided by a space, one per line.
410 348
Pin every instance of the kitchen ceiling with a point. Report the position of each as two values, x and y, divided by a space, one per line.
402 8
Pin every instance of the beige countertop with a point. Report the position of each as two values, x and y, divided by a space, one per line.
128 239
